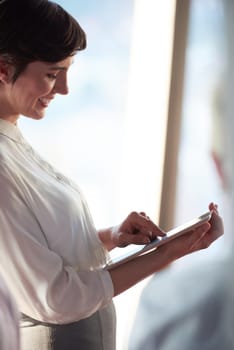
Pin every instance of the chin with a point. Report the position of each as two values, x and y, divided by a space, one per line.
35 116
38 117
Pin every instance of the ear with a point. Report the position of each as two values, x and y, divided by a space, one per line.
6 71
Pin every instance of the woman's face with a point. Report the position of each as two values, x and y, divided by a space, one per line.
35 88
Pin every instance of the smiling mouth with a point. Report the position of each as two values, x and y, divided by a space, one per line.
44 101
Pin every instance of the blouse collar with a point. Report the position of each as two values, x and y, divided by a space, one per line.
10 130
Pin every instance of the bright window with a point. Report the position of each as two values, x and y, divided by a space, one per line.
203 120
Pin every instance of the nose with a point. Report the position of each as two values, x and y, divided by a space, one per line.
61 86
61 89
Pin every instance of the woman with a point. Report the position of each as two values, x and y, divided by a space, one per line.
52 256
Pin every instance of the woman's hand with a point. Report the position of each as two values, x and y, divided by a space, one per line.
215 231
137 228
200 238
128 274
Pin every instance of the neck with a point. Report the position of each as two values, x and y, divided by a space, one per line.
6 112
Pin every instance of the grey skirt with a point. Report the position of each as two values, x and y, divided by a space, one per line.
97 332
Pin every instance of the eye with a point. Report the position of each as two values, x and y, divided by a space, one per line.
52 76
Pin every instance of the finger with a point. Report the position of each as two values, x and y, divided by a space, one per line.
206 240
215 231
198 236
145 225
150 230
213 207
126 239
216 223
145 215
184 244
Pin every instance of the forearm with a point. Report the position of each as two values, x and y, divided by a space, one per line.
128 274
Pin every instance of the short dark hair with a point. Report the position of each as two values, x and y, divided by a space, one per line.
37 30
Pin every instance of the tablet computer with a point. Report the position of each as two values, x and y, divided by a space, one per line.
170 235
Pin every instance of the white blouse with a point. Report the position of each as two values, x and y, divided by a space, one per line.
9 320
50 252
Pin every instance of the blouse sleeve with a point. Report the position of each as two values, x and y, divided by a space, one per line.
9 320
44 287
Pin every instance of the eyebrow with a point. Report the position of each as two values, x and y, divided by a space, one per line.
54 67
57 68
